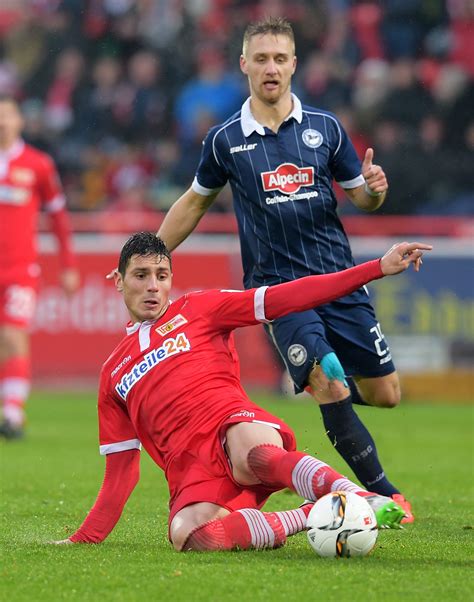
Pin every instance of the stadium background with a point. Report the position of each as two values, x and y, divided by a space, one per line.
121 93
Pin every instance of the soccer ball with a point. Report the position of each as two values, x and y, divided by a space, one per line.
342 524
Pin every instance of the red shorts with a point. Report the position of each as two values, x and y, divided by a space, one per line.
202 472
18 302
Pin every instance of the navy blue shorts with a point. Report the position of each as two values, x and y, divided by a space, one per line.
350 330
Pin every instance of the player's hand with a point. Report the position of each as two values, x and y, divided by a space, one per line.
70 280
374 175
110 275
61 542
400 256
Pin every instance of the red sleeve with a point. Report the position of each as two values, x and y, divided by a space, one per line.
49 184
306 293
116 431
226 309
52 197
122 472
62 230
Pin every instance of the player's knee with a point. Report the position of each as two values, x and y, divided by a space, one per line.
391 399
386 397
241 439
179 537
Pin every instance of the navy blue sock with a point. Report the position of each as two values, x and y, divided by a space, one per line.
356 397
354 443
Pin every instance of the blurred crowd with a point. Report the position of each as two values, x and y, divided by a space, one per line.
122 92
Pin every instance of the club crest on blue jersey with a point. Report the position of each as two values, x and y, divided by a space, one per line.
312 138
297 354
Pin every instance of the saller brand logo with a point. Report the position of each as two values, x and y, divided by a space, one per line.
242 147
287 178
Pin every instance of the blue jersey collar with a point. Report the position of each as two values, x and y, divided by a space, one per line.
250 124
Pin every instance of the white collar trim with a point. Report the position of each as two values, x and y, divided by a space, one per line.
133 327
14 151
250 124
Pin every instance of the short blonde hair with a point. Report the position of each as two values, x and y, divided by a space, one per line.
269 25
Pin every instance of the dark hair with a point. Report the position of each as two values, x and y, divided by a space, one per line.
142 243
272 25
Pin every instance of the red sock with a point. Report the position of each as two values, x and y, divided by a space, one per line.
244 529
15 376
308 477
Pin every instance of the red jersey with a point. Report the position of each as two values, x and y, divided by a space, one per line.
28 180
170 378
179 375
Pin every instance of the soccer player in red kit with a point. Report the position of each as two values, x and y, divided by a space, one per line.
172 385
28 180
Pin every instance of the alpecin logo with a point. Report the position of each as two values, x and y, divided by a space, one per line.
287 178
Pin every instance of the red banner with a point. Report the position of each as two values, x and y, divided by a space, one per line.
73 336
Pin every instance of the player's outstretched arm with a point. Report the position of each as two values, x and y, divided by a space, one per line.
306 293
122 472
183 217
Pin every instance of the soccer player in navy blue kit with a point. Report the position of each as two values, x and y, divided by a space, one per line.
280 159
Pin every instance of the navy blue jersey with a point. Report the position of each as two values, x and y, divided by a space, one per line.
282 191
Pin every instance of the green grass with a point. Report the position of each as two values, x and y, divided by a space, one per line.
50 479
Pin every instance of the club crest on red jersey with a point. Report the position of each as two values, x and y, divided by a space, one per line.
22 175
172 324
287 178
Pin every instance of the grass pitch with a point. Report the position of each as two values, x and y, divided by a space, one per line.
50 480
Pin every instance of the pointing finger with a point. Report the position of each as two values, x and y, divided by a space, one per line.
412 246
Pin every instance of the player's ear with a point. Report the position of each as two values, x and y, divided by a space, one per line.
118 281
243 64
295 62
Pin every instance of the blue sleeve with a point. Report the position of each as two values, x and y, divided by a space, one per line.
211 172
344 164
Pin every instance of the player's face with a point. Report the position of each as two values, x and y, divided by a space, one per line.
146 286
11 122
269 62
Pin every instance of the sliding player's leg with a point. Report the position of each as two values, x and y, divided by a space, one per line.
257 456
210 509
208 527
